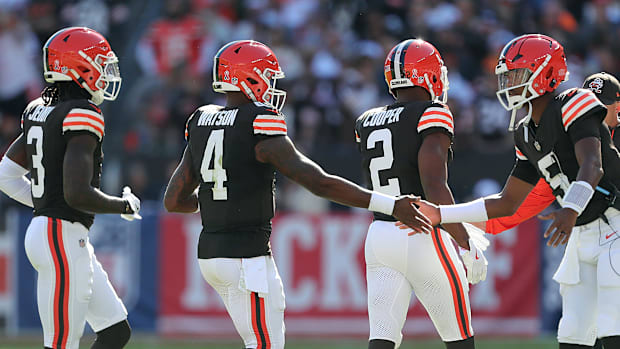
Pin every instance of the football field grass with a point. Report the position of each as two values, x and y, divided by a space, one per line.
408 343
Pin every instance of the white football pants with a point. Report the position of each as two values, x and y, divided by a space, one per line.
72 287
426 264
590 282
257 316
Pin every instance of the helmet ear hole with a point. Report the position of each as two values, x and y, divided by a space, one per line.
434 79
549 73
83 69
252 81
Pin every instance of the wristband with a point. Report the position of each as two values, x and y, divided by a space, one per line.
577 196
473 211
382 203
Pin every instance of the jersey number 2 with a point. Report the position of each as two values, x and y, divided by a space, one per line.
215 150
383 162
35 136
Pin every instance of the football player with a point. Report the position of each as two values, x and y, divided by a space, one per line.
231 156
60 146
405 149
607 88
563 140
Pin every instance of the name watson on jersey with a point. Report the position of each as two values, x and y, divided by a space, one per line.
220 118
378 119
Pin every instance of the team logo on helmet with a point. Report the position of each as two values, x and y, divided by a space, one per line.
596 85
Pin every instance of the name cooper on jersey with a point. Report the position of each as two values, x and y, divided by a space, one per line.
383 117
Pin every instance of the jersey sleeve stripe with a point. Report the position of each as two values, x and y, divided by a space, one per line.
84 117
434 112
82 126
279 121
582 109
85 111
269 124
575 100
272 131
520 155
436 122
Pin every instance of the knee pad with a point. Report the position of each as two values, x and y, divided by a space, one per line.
113 337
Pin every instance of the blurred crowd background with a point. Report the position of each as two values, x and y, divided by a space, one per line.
332 53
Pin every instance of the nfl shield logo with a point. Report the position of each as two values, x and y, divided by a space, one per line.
82 243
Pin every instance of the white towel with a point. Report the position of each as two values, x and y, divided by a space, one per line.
568 271
254 274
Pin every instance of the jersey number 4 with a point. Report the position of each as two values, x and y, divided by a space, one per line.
383 162
214 151
35 136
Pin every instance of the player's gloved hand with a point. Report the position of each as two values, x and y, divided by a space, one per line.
134 205
477 236
475 263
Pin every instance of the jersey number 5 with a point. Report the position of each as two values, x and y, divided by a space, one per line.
383 162
35 136
215 150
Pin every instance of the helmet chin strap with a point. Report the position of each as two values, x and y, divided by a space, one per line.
511 126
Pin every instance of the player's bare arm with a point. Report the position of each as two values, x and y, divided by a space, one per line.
17 152
502 204
77 175
588 153
432 162
13 170
181 195
282 154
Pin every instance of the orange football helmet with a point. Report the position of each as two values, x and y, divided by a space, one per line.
252 68
534 62
416 62
84 56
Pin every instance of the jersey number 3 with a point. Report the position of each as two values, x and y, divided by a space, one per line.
383 162
215 150
35 136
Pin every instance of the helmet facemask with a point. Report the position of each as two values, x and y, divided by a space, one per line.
273 97
109 81
510 81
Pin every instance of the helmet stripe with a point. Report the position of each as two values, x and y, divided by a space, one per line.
46 47
396 60
216 59
392 63
403 54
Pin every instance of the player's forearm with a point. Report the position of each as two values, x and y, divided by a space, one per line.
588 154
339 190
181 204
438 192
93 200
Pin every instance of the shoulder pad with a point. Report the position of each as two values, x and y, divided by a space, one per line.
436 116
84 118
269 122
576 103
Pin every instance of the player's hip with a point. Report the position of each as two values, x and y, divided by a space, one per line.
57 243
390 246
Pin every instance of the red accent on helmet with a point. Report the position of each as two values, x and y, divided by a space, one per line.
530 51
82 55
250 67
416 62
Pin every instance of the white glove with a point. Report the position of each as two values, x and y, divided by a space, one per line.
134 203
477 235
475 263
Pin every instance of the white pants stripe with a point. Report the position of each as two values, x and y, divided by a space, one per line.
398 265
258 317
72 287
